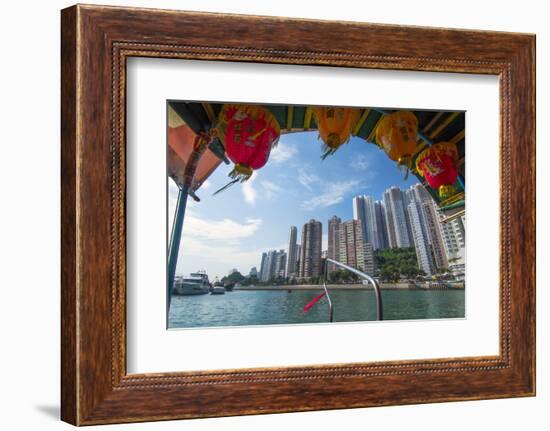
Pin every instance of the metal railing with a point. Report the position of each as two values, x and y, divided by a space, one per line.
375 285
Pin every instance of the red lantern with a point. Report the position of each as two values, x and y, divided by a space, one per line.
248 133
438 165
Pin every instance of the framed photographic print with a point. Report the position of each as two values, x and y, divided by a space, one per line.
255 223
400 236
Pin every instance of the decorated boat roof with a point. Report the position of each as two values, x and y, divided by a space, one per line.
434 126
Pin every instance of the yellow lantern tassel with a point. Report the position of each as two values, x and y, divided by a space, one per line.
445 191
241 172
335 126
406 163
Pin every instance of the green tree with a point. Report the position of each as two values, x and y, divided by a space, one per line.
395 263
234 277
247 281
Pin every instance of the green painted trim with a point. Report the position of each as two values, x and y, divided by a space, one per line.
458 204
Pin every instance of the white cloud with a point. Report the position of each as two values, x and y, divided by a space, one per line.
225 229
216 258
282 152
307 179
334 193
270 189
249 193
270 186
360 163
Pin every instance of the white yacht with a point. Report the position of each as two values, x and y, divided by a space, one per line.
194 284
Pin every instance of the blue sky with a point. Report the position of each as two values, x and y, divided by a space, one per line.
232 229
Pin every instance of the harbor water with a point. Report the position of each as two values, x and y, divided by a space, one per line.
279 307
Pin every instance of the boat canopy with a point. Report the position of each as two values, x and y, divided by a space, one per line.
187 119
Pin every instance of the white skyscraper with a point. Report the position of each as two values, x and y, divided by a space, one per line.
397 218
370 214
453 234
432 225
280 264
370 220
273 265
333 251
311 248
292 249
388 216
263 267
359 214
459 225
421 238
380 212
269 268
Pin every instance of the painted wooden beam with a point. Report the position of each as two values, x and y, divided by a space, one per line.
421 142
289 115
373 131
428 126
361 121
209 111
444 124
457 137
307 118
451 200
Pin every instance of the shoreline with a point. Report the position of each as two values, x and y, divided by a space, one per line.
383 286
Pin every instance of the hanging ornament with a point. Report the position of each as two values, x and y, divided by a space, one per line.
438 164
248 133
397 134
335 126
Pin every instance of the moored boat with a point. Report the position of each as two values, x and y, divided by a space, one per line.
217 290
195 284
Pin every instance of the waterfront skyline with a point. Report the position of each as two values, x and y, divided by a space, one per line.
413 217
439 245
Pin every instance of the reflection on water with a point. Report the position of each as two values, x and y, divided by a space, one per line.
280 307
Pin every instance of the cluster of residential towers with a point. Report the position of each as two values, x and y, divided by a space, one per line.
403 218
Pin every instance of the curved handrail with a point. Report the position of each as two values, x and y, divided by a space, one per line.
377 292
330 307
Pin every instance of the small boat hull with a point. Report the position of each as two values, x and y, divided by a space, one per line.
190 288
217 290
